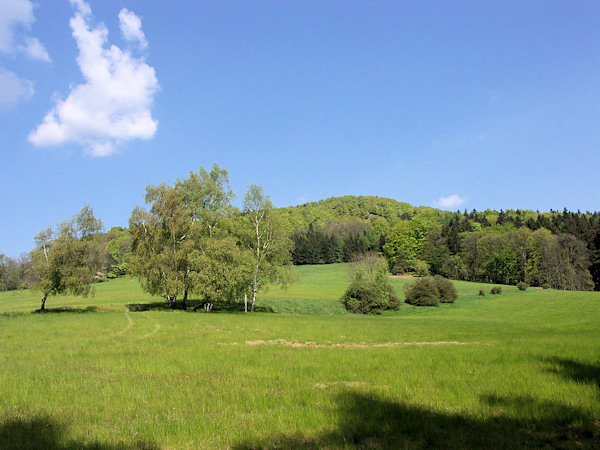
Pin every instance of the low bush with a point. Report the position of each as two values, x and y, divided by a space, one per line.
446 289
481 292
430 291
521 285
496 290
422 292
370 291
364 298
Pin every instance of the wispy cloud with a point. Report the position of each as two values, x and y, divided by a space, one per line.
450 202
114 103
13 14
16 16
131 27
34 49
13 88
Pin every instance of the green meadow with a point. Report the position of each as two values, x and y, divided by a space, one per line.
119 370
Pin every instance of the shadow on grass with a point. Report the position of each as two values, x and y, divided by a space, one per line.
43 433
198 304
366 421
575 370
67 309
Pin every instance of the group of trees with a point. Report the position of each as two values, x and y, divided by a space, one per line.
15 273
333 242
192 241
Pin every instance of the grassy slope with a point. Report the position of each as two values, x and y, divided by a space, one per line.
528 376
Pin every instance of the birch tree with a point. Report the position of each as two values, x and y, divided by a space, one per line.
61 260
268 241
161 241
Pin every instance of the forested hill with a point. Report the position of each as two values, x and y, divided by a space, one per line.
350 207
366 208
558 249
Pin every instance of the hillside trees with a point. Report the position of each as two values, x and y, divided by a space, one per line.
15 273
406 241
118 251
65 261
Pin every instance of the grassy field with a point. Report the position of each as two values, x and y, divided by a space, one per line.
515 370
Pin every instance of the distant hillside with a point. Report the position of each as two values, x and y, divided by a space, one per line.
354 208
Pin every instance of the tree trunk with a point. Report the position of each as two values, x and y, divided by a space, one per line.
254 293
43 307
171 301
184 301
245 302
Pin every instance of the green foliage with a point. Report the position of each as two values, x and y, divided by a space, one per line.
430 291
496 290
421 268
264 234
422 292
118 249
370 291
406 241
522 286
481 292
446 289
64 262
222 271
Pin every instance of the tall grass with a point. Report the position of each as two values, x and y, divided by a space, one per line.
515 370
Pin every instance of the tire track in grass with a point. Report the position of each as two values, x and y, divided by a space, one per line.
128 327
154 331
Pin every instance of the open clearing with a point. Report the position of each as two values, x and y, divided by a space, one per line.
515 370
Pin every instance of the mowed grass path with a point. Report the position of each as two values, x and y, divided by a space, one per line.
516 370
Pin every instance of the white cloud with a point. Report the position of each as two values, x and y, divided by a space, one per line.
112 106
13 88
13 14
131 27
450 202
16 14
35 50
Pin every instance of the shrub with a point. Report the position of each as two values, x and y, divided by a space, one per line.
446 289
521 285
422 292
481 292
421 268
496 290
370 291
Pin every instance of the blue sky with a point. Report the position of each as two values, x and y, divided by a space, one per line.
480 104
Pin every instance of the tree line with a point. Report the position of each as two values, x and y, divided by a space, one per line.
558 250
191 225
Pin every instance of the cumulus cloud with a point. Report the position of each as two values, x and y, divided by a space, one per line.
131 27
13 88
14 15
112 106
450 202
